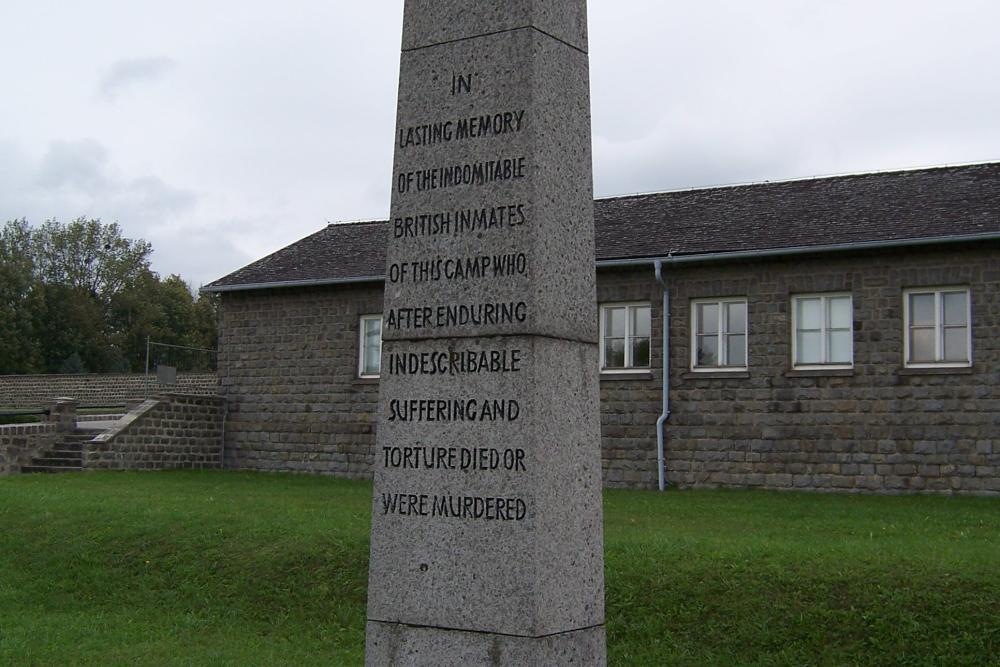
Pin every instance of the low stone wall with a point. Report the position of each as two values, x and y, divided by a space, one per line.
169 431
31 391
20 442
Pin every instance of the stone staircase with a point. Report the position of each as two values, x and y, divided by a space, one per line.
67 454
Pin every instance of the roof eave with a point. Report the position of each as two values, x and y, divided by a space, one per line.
737 255
669 259
314 282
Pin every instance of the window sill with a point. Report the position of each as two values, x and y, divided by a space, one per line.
366 380
716 375
937 370
626 375
819 372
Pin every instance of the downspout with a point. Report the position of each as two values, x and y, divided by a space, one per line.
661 423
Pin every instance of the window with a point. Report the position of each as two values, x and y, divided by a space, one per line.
370 356
624 336
719 331
823 327
937 327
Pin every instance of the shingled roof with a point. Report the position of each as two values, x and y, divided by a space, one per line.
818 214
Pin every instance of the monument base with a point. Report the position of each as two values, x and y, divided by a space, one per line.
399 645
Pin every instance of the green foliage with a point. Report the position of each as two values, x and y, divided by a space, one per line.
19 350
222 568
82 291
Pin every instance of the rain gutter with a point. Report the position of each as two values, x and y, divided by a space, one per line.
799 250
665 414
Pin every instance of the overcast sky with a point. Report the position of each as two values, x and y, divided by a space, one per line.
221 131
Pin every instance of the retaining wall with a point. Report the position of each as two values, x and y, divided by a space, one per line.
169 431
31 391
20 442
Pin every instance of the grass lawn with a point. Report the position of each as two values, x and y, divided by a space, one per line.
228 568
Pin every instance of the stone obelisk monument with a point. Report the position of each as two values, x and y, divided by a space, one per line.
486 530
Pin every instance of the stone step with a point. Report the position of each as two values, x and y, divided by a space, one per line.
70 446
48 469
57 462
63 453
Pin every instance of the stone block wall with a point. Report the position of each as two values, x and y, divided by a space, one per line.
169 431
288 365
19 442
631 403
878 427
31 391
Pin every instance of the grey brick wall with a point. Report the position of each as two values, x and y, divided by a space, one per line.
30 391
879 427
19 442
288 362
169 431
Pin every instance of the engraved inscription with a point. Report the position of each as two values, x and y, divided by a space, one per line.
469 174
459 315
457 507
461 83
453 410
459 268
459 222
454 458
467 362
470 127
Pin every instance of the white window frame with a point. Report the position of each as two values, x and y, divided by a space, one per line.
824 331
723 331
939 327
630 366
361 346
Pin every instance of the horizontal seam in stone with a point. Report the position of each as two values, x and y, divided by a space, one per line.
498 32
487 632
522 335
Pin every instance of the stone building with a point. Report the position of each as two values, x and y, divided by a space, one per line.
836 333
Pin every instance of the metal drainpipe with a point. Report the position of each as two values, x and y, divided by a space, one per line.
665 415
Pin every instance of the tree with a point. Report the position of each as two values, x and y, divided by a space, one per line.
82 297
19 350
89 255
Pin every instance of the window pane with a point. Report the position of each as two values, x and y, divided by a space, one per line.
708 318
373 362
808 347
922 345
840 347
640 321
708 351
922 310
373 331
640 352
614 322
614 353
840 312
809 314
956 342
955 309
736 350
737 318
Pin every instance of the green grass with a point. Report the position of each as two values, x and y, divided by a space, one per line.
250 569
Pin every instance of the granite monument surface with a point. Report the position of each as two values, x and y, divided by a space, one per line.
486 527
